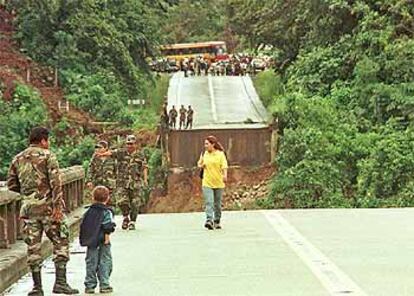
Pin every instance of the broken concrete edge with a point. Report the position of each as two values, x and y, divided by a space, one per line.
13 262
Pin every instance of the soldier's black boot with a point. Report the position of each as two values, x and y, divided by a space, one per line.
37 283
61 286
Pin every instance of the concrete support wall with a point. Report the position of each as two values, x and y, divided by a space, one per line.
244 147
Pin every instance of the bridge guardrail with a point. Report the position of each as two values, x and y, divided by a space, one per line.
10 202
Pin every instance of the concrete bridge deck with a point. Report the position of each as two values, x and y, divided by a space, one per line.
219 102
286 252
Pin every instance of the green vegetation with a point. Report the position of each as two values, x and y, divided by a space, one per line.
195 21
74 150
17 118
27 110
344 97
268 85
102 38
342 90
158 171
100 49
156 90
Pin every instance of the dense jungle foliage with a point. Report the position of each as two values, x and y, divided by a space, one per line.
101 50
99 47
17 118
344 99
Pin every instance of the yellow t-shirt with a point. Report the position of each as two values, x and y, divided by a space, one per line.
214 163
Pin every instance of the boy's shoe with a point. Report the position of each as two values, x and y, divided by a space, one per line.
131 226
125 223
89 291
217 225
106 290
209 225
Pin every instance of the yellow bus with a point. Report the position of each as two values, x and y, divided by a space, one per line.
212 50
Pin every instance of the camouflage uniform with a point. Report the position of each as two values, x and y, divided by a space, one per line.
34 173
190 114
165 120
173 117
102 171
183 113
129 181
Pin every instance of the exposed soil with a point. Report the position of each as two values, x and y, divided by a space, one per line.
184 190
14 66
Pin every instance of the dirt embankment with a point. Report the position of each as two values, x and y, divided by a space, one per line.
244 187
144 137
16 67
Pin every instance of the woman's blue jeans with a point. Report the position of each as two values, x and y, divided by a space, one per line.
212 202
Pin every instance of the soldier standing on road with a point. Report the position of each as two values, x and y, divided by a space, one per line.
185 67
190 114
183 115
102 168
34 173
132 175
165 120
173 117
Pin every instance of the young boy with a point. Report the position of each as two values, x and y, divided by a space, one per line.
97 223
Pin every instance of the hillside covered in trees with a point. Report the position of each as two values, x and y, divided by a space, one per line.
99 49
344 98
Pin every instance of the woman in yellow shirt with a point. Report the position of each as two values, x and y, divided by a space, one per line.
214 163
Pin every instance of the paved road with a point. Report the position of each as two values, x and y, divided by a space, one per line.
298 252
219 102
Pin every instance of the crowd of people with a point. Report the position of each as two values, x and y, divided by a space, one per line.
234 65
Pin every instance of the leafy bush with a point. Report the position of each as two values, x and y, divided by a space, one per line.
25 111
75 151
158 172
99 94
269 85
345 108
388 169
112 36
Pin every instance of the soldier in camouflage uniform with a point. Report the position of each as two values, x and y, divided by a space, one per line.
173 117
190 114
34 173
183 114
102 168
131 177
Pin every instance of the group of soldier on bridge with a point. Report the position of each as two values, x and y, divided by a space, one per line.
35 174
169 118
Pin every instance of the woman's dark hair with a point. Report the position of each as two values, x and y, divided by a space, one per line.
38 134
216 144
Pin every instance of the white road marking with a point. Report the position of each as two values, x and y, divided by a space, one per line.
249 98
178 97
335 281
212 98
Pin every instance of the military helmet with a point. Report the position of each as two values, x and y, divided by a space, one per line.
131 139
101 144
